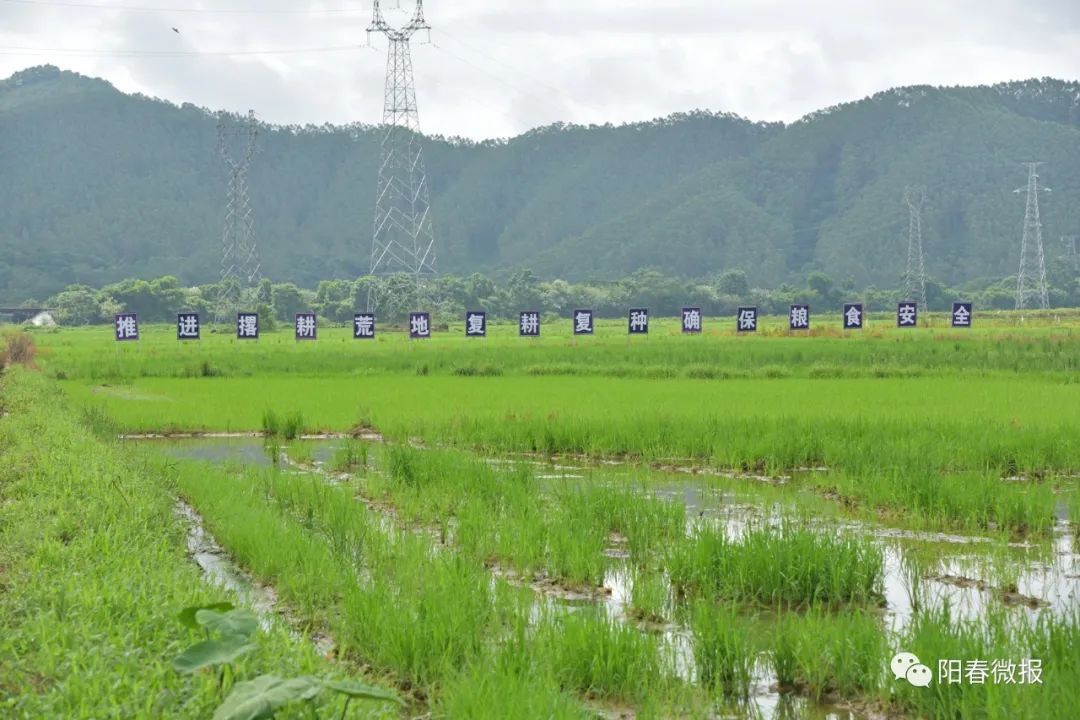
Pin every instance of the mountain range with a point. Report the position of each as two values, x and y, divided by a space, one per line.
97 185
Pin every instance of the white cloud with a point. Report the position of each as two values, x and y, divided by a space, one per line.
500 68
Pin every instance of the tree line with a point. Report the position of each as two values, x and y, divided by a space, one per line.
448 297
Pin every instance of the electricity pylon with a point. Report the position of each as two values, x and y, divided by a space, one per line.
403 240
1031 280
240 268
915 277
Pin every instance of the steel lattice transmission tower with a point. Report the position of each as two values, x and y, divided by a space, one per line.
915 277
240 268
403 240
1031 280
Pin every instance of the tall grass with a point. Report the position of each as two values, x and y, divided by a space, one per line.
786 565
589 653
826 654
504 515
724 651
93 570
19 349
952 501
1000 636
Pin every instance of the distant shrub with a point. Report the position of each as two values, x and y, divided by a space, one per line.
822 372
773 372
19 350
706 372
477 371
554 369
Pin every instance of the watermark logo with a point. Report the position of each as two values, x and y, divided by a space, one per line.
906 666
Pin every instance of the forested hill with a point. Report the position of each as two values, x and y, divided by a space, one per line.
96 185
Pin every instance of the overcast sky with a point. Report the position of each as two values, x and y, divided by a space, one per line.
499 68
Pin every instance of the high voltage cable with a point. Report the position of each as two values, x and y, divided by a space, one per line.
88 52
511 68
189 10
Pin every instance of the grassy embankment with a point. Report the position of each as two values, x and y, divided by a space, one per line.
93 572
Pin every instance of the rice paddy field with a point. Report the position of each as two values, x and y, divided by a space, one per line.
877 524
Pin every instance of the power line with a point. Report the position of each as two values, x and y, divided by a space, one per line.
88 52
511 68
178 10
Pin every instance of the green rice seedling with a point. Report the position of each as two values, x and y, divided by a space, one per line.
724 652
575 551
293 425
351 455
271 423
859 426
784 565
825 654
424 624
494 693
415 613
272 448
589 653
649 596
784 658
301 452
1003 643
967 502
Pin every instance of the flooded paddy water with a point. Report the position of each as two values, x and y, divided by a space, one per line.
965 575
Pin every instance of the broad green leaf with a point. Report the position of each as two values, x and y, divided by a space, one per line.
211 652
187 615
239 622
361 691
262 697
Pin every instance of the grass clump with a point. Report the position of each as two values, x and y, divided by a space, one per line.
1002 637
289 426
19 349
486 693
823 654
724 651
785 565
649 595
351 455
974 502
589 653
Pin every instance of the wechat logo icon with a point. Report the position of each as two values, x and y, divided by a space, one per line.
905 666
